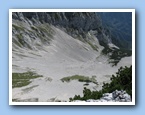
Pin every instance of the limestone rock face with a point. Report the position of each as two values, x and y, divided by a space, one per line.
115 96
76 20
75 24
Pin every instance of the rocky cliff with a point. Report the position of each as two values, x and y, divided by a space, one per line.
76 24
78 20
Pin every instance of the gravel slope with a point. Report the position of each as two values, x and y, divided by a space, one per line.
64 57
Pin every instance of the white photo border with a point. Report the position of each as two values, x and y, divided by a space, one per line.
71 10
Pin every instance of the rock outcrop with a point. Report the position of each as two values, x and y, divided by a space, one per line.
77 20
115 96
76 24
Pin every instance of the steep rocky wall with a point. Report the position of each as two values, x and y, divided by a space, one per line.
76 24
77 20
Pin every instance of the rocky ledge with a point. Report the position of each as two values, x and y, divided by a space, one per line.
115 96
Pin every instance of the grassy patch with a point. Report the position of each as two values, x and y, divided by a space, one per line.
20 41
19 36
80 78
44 32
94 47
18 28
45 28
23 79
16 42
26 100
116 54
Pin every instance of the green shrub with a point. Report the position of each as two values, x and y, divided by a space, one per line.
121 81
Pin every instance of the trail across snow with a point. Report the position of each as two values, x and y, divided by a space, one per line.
64 57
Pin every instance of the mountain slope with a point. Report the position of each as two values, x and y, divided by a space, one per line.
54 52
